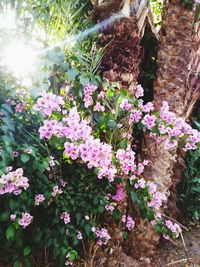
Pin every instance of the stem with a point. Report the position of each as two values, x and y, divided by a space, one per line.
115 118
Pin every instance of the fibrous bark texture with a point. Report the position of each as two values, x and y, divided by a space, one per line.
177 81
124 53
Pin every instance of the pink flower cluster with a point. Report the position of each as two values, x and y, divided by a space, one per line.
108 171
128 221
120 194
141 183
96 154
135 116
149 121
48 102
88 90
126 159
65 217
175 228
157 200
92 151
103 236
125 105
39 199
13 181
98 107
25 220
20 107
75 128
139 91
50 128
176 128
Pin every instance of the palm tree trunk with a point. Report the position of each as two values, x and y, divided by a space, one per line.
177 81
121 63
124 53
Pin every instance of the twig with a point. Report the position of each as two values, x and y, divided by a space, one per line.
174 262
185 248
183 260
184 227
93 256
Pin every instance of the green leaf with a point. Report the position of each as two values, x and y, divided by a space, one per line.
84 80
25 158
17 264
73 255
26 251
5 216
72 74
10 232
112 125
13 205
88 229
134 197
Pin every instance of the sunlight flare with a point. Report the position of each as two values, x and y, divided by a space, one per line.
19 58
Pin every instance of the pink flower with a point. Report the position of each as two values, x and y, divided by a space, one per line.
103 236
25 220
56 191
175 228
39 199
165 114
62 182
126 159
141 183
169 144
139 91
120 194
157 200
15 154
79 235
135 116
88 91
71 150
51 161
65 217
130 224
13 217
147 107
20 107
125 105
98 107
28 150
149 121
68 260
109 207
93 229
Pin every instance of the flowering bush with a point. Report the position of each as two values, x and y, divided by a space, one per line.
77 156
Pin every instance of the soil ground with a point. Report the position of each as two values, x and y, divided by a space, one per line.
169 255
166 255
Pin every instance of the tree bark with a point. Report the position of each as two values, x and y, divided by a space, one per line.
124 53
177 83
